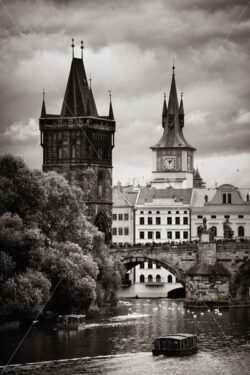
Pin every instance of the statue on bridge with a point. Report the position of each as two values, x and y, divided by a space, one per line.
228 232
205 234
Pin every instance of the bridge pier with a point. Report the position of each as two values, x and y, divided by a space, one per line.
207 282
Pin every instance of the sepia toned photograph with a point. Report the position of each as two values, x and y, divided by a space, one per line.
124 187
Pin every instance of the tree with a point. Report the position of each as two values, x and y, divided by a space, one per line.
72 274
48 245
24 295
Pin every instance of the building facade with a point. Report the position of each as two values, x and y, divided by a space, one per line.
78 144
223 205
123 231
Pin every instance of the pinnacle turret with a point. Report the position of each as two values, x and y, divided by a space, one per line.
181 112
111 113
43 111
164 112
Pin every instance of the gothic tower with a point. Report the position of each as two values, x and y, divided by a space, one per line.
173 156
78 144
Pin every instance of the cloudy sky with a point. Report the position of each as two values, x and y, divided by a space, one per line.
129 47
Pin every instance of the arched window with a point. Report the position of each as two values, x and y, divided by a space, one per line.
214 231
100 184
170 279
241 231
142 279
158 278
229 198
224 198
150 278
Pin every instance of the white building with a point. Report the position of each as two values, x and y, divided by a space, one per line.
162 215
149 280
219 204
123 214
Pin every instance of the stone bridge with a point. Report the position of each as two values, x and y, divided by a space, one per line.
210 272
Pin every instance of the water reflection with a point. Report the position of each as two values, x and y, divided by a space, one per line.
123 337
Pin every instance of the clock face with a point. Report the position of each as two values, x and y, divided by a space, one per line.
169 162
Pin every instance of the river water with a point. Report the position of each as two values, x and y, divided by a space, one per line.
119 342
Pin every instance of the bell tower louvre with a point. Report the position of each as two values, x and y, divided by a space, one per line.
78 144
173 155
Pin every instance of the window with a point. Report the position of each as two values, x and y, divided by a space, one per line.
120 216
141 265
227 198
158 266
170 279
185 235
141 220
158 278
141 234
120 231
126 231
157 235
158 221
177 212
142 279
150 278
150 264
177 235
150 235
241 231
114 217
214 231
125 216
213 216
185 212
149 212
150 221
169 220
240 216
100 184
224 198
169 212
199 217
227 216
114 231
141 212
169 234
185 220
177 220
157 212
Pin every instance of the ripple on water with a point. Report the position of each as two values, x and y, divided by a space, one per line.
137 363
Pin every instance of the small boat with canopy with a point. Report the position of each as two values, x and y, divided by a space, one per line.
176 344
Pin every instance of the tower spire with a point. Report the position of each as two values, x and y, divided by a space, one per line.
82 49
111 113
73 47
181 112
173 67
164 111
43 111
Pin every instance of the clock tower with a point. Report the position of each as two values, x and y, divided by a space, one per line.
173 155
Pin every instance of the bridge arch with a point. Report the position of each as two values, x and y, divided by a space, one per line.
131 261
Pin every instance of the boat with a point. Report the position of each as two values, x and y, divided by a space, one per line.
72 321
176 345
